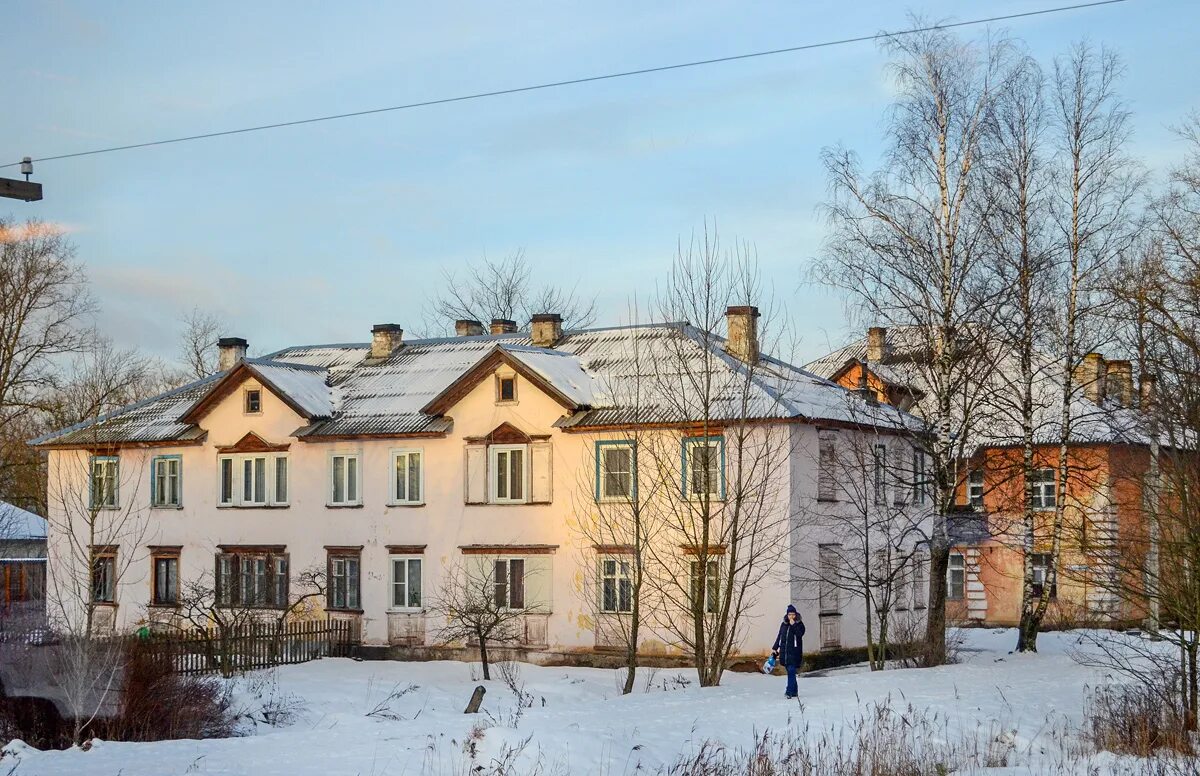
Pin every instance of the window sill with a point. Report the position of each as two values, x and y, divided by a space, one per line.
172 507
153 605
826 500
253 607
337 610
615 500
405 504
252 506
344 506
616 614
829 614
112 604
401 610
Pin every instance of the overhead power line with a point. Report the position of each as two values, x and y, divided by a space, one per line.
575 81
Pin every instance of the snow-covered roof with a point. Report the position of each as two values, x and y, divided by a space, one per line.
608 376
1106 421
17 523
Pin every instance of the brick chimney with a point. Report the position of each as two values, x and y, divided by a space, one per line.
742 342
1089 375
546 329
876 344
465 327
1118 382
503 326
231 350
385 338
1147 390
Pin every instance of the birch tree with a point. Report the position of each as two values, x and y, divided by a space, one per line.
1094 184
906 244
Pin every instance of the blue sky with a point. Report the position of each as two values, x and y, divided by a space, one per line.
312 234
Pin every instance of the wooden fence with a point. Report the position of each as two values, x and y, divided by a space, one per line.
252 645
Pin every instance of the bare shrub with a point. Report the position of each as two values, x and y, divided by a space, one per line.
383 709
269 705
158 704
1132 719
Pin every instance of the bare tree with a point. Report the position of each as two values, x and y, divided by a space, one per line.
1095 182
476 607
505 289
44 306
620 516
731 515
907 245
198 344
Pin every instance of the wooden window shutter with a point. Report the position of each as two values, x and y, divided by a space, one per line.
541 474
475 479
827 466
539 570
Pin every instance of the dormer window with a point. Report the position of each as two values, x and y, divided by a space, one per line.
506 388
253 401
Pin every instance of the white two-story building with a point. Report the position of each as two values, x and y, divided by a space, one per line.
386 464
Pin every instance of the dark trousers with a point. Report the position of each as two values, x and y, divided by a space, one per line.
792 689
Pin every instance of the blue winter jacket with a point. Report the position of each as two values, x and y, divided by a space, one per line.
790 642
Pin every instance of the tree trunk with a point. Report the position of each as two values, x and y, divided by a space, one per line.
483 656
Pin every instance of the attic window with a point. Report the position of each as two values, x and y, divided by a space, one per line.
253 401
506 388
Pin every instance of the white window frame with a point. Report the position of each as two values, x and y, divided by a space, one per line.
407 454
879 481
975 487
620 577
956 564
331 490
352 582
110 466
712 583
165 461
237 481
602 447
716 443
405 563
1047 481
508 560
494 469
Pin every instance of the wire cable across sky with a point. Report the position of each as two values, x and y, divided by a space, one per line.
576 81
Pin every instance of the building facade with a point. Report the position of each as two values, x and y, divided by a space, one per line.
378 469
1108 457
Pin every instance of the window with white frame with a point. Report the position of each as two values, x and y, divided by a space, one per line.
407 485
616 584
706 585
975 489
104 486
254 480
827 488
1042 489
509 473
166 481
703 467
956 577
1042 562
344 580
345 479
615 471
509 583
406 582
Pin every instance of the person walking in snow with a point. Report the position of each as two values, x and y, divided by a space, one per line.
789 648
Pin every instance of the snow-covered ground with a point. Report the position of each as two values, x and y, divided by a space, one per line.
1027 706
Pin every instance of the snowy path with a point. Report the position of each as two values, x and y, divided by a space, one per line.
585 726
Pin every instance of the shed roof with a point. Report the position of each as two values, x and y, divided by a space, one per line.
19 524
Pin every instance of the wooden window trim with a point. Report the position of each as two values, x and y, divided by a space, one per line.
246 392
157 554
508 549
500 380
613 549
333 553
406 549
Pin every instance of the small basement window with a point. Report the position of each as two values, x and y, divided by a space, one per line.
506 388
253 401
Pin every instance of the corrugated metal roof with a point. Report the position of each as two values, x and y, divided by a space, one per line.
616 376
994 422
